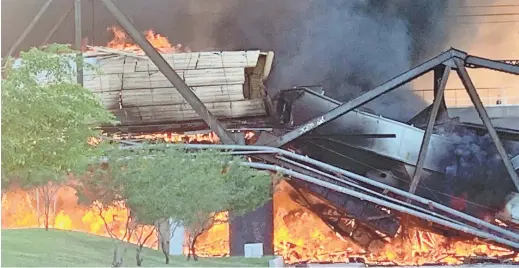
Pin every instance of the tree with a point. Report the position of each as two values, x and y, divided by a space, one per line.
47 121
102 193
190 187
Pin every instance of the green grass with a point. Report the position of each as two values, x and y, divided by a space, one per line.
55 248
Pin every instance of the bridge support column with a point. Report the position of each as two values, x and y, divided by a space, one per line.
254 227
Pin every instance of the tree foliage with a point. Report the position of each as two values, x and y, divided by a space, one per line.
47 118
190 187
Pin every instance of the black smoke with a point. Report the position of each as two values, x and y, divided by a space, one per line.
348 47
475 171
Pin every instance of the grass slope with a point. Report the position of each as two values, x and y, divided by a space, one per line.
55 248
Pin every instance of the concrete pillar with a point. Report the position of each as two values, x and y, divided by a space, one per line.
251 228
254 227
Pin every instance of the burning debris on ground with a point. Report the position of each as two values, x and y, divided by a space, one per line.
311 223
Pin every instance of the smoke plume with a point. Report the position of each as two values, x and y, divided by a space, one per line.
349 47
475 171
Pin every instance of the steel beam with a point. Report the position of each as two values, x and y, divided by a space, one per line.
29 28
56 26
78 40
464 228
336 170
361 100
438 100
471 90
169 73
437 76
500 66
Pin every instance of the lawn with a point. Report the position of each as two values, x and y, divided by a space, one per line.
55 248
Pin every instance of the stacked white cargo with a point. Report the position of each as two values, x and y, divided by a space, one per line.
133 88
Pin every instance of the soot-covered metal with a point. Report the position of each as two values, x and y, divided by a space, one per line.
459 167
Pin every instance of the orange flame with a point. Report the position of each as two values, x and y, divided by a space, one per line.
299 235
171 137
23 209
122 42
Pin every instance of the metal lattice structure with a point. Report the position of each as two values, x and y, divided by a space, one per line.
335 183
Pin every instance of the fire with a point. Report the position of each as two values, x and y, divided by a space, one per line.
170 137
299 234
121 41
215 241
24 209
414 245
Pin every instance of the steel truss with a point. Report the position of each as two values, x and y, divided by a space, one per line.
354 185
322 174
453 58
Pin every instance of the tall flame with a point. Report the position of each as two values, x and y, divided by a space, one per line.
121 41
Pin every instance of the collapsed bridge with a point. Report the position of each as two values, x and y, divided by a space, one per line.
385 155
363 174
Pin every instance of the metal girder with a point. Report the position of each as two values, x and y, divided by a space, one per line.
471 90
511 67
78 34
362 99
169 73
27 30
437 76
355 207
337 188
56 26
438 99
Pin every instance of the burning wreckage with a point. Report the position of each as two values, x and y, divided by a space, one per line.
359 168
362 187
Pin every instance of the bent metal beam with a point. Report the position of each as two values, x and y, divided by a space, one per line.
169 73
362 99
453 225
340 171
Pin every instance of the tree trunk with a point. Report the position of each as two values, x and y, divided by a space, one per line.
192 248
46 214
165 249
164 234
166 255
138 256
